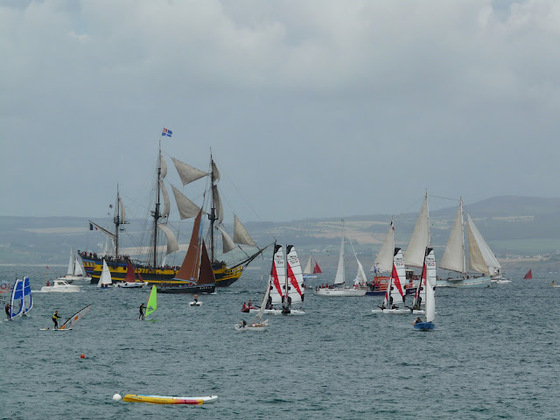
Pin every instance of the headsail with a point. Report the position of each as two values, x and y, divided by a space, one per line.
151 306
70 322
481 257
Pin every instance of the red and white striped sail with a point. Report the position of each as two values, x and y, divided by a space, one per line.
398 277
278 275
295 275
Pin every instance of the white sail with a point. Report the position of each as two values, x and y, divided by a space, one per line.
278 276
121 208
70 322
265 299
430 285
340 277
227 243
187 173
172 243
215 172
70 270
166 202
240 234
78 271
361 277
481 257
384 260
309 266
420 239
186 207
295 276
105 278
454 255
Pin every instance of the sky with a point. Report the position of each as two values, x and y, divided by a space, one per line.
311 108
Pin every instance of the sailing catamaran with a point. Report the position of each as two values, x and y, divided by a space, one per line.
285 284
154 269
394 300
482 260
429 283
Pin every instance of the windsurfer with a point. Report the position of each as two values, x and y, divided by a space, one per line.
195 298
141 310
7 309
55 319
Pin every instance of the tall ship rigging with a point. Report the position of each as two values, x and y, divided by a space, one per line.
152 267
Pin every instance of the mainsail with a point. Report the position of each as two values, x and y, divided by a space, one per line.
340 277
105 279
420 239
294 276
454 256
384 260
278 276
16 300
429 280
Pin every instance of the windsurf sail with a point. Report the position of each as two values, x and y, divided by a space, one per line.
27 297
16 301
70 322
152 301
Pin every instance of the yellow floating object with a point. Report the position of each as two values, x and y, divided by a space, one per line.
159 399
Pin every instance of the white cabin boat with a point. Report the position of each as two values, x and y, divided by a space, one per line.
58 285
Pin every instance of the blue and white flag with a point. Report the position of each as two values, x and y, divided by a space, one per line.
167 132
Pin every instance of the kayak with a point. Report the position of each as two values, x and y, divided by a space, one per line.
158 399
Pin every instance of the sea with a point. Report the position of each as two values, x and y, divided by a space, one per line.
494 354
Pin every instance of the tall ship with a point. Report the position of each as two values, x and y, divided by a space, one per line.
152 266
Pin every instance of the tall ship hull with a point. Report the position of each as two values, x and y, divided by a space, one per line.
225 276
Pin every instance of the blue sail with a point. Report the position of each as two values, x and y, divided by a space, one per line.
27 296
16 302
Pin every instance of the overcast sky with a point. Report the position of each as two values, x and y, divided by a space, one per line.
311 108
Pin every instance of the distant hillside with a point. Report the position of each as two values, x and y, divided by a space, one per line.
516 228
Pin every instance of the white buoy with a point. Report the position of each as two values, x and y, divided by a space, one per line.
117 397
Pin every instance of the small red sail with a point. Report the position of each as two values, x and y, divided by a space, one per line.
317 269
529 275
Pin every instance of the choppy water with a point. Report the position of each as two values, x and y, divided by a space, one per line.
494 354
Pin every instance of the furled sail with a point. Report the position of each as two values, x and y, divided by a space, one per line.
172 244
186 207
420 239
481 257
163 166
122 212
187 173
240 234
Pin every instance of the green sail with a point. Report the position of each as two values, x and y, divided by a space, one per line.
152 301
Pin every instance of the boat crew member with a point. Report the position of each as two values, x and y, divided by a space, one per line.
141 310
55 319
418 320
250 303
7 309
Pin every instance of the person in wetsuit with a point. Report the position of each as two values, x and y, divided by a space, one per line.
141 310
55 319
8 308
